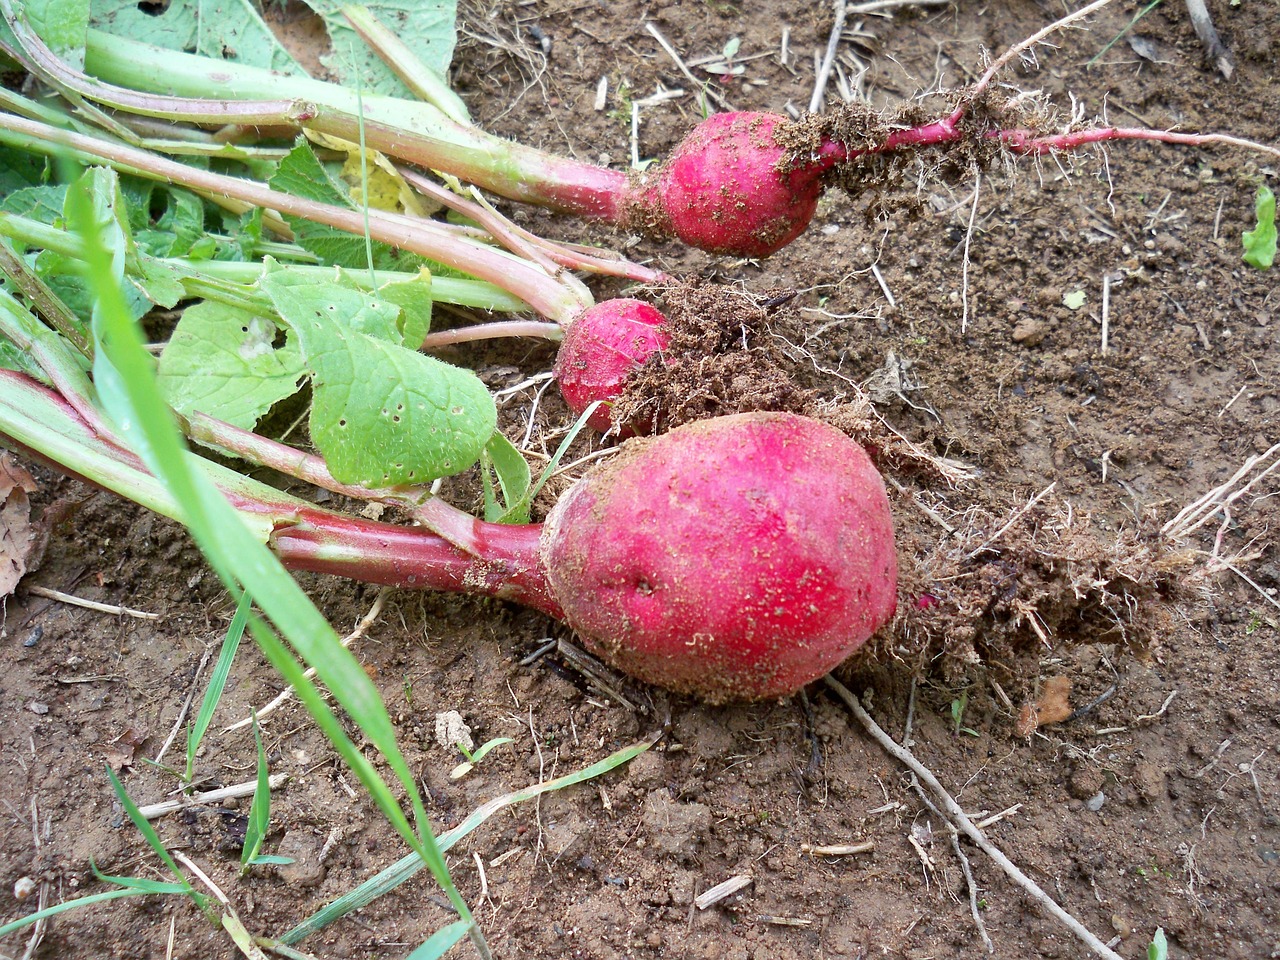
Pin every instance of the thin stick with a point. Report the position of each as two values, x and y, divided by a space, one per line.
973 891
964 273
828 59
875 6
1214 49
165 807
1106 311
186 705
963 823
671 52
1018 48
75 601
287 693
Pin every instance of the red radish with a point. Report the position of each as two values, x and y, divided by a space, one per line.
730 187
736 558
601 349
736 185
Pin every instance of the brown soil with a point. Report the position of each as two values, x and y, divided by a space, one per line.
1148 799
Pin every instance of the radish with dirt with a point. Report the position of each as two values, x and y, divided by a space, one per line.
738 558
743 184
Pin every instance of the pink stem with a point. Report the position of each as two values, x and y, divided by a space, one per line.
493 331
555 299
505 561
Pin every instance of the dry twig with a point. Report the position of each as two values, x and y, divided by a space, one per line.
958 818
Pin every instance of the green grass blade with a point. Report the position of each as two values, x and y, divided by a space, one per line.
217 681
144 827
439 942
14 926
260 808
400 871
127 385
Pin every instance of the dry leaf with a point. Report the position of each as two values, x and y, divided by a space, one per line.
17 538
1053 705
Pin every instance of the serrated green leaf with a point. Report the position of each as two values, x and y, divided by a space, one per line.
61 24
225 29
43 203
426 26
19 169
414 298
381 414
158 282
223 361
1260 243
302 174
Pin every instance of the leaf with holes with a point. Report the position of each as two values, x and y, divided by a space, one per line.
381 414
224 361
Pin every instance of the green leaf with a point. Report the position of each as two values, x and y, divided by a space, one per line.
1260 243
439 942
260 809
61 24
148 832
1073 300
514 479
223 361
302 174
227 29
217 681
43 203
19 169
1158 949
425 26
414 298
381 414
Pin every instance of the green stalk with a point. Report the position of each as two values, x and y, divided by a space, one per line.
459 291
560 298
423 81
417 132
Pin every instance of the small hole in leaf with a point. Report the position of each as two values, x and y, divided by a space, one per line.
153 9
342 423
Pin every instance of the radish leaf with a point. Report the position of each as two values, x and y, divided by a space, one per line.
221 360
381 414
425 26
303 175
61 24
230 30
1260 243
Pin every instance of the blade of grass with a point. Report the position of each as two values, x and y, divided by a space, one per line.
127 385
438 944
148 833
260 808
14 926
217 682
396 874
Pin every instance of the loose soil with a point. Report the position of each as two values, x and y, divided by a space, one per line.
1056 658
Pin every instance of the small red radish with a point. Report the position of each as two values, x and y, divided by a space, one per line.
736 558
730 187
601 349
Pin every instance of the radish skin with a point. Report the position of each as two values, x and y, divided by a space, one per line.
736 558
601 349
729 187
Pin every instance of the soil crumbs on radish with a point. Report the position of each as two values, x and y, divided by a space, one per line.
1055 659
